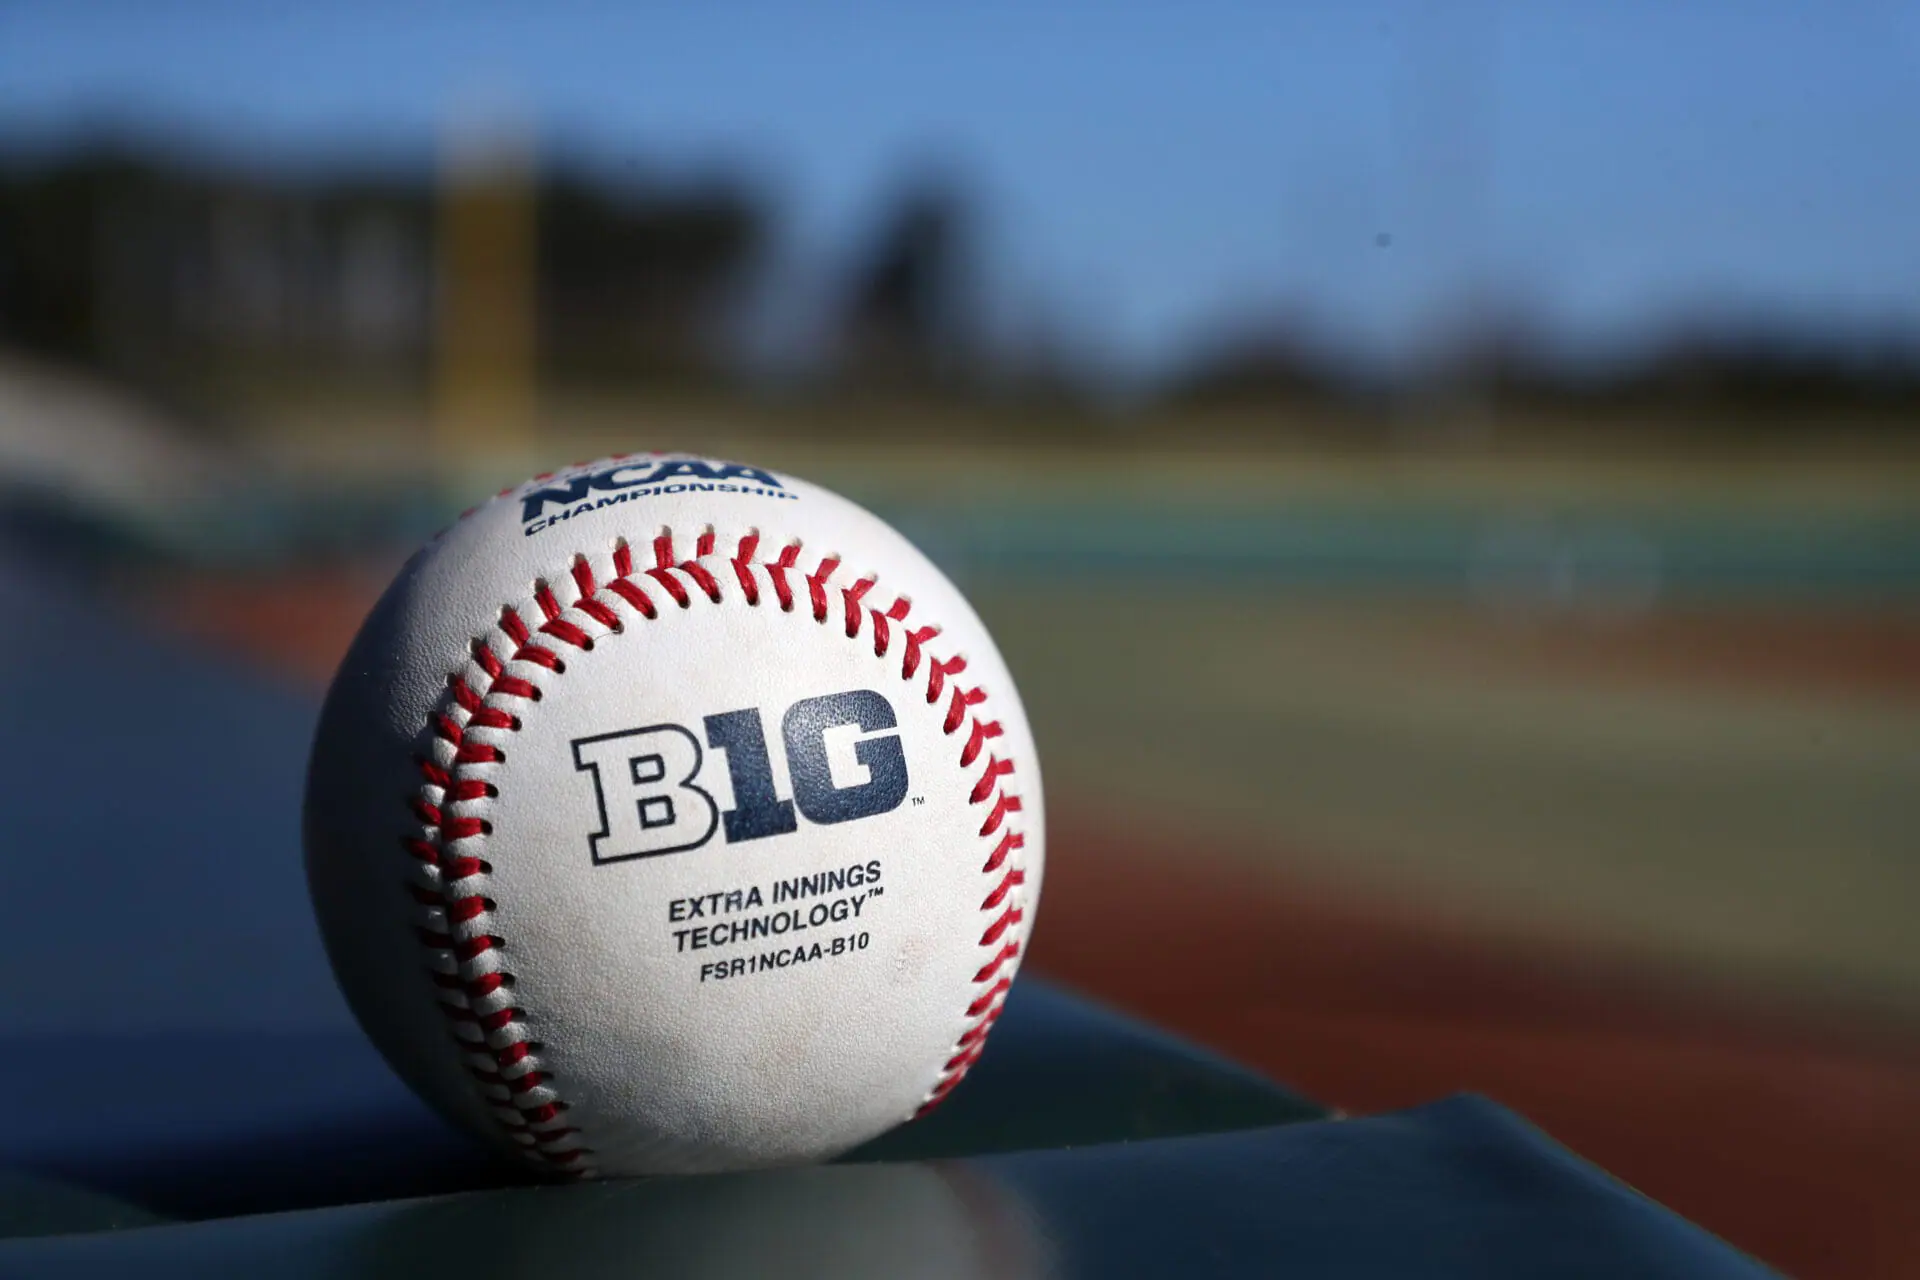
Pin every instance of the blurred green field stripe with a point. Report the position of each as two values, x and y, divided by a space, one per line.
1450 547
1347 546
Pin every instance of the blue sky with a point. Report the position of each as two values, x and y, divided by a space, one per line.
1145 171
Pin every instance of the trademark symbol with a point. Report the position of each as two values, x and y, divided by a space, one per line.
876 891
919 799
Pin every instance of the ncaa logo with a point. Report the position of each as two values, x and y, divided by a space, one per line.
646 781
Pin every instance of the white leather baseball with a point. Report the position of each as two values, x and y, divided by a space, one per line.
672 815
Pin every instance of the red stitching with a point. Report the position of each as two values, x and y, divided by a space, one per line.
466 909
957 710
743 567
1008 843
910 660
515 687
539 655
882 632
489 1028
629 590
1011 917
583 583
952 1074
937 673
854 595
996 770
1002 806
1015 878
583 579
777 573
516 630
476 946
972 1039
702 577
817 586
969 1046
982 730
463 694
985 1002
673 588
567 632
663 574
1009 952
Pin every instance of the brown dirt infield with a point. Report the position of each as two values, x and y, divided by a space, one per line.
1872 652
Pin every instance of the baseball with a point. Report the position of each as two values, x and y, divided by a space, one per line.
672 815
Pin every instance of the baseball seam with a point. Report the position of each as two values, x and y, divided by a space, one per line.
465 736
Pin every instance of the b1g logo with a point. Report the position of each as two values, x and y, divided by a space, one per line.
644 780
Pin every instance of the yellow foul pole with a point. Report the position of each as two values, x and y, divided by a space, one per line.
485 357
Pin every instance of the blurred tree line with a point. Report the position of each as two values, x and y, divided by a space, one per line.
132 261
176 273
1715 369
